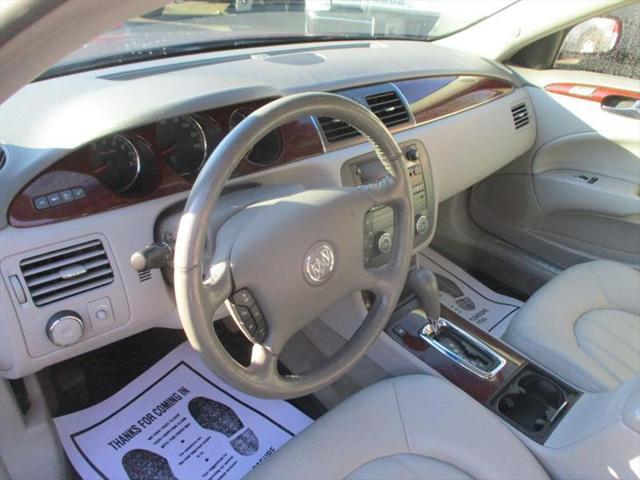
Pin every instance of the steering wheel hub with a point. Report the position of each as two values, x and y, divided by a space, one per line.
319 262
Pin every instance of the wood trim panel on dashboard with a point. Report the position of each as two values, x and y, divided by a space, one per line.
438 97
299 140
428 98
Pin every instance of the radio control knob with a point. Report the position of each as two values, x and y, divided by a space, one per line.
65 328
383 242
422 224
412 154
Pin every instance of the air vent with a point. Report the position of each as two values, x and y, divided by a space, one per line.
336 130
144 275
520 115
66 272
3 158
388 107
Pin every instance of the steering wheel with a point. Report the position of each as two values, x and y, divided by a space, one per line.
297 255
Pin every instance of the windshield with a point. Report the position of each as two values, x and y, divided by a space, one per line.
187 26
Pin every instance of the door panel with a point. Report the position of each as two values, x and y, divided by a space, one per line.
576 195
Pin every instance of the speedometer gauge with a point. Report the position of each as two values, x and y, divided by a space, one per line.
185 142
115 162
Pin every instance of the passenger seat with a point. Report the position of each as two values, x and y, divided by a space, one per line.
584 325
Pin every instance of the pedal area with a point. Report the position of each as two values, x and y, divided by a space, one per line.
177 421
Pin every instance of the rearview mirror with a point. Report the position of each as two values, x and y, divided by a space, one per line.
596 35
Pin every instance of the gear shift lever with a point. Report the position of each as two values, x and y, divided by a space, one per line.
424 284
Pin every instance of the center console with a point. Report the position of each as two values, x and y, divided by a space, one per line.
522 393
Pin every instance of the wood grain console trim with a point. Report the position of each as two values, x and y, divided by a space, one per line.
479 388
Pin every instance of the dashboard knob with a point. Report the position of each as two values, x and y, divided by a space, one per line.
412 155
65 328
383 242
422 224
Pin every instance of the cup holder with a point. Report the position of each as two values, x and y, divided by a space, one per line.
533 402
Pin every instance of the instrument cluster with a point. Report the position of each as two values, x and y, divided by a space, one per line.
131 163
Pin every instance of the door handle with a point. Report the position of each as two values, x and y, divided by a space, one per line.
621 105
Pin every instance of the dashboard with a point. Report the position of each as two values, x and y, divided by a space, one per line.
165 157
98 165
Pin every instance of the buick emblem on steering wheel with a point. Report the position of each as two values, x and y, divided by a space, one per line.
318 263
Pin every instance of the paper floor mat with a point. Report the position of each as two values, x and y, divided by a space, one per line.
177 421
469 298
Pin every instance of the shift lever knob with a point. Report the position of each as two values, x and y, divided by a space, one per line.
424 284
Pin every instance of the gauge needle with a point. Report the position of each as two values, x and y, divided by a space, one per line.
168 150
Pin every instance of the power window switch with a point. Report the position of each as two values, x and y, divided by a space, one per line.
101 314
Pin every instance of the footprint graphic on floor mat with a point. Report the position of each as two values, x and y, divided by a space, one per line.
221 418
144 465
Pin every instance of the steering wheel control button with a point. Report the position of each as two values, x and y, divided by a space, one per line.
248 315
319 262
422 224
384 242
256 313
244 314
65 328
246 319
101 314
243 297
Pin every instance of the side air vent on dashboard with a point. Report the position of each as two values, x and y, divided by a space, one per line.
335 130
3 158
66 272
388 107
520 115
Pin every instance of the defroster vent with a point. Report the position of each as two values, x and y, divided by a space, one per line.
66 272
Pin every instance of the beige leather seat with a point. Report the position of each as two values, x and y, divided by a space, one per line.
413 427
584 325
